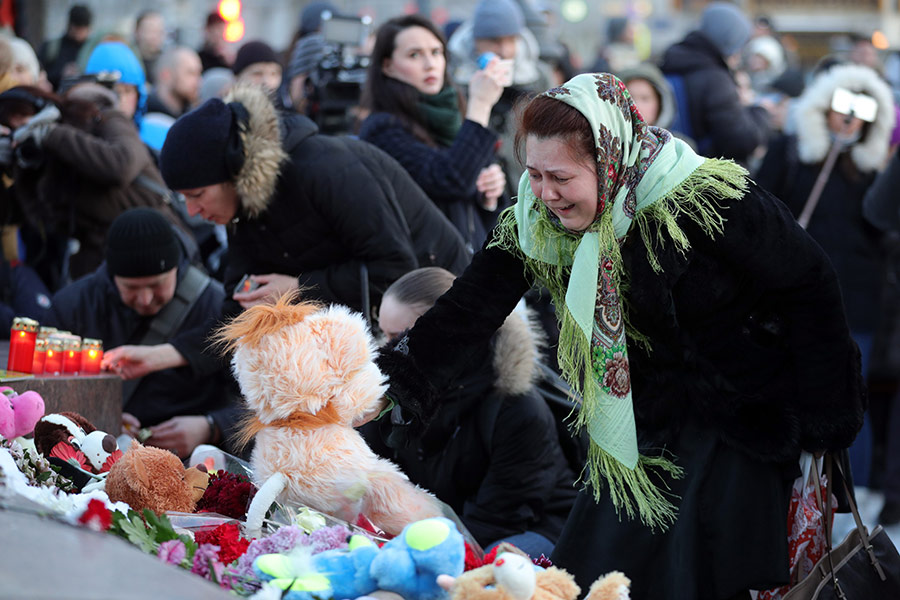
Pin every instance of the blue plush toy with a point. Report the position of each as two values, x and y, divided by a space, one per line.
331 574
410 563
348 570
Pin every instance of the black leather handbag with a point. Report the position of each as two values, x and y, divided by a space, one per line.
865 566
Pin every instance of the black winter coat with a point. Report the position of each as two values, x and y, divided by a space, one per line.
338 204
92 307
722 126
852 244
747 333
504 480
446 174
749 348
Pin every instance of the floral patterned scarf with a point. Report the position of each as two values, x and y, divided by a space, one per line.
646 177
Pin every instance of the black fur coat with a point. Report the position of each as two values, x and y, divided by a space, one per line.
748 336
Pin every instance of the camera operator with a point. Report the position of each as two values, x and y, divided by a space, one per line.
76 163
327 72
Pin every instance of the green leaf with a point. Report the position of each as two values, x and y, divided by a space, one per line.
132 528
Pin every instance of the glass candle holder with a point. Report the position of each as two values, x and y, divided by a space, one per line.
40 356
22 338
71 362
91 356
44 332
53 360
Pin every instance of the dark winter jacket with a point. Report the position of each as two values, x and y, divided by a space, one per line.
521 482
446 174
325 209
793 164
852 244
747 335
92 307
88 177
722 126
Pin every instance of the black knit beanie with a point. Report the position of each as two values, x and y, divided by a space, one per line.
252 53
141 243
194 153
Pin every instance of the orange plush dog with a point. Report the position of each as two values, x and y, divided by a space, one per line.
308 375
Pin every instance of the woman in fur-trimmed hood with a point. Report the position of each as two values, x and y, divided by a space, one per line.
790 171
794 162
493 452
303 210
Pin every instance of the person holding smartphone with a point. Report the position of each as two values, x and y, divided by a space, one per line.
847 109
333 217
418 118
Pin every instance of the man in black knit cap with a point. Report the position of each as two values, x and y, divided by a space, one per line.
154 312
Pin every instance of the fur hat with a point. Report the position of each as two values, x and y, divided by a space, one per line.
497 18
726 26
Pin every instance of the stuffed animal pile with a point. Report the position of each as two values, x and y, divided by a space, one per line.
308 375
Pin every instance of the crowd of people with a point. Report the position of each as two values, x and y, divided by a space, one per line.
703 246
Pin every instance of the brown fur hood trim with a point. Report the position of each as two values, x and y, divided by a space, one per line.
263 153
517 348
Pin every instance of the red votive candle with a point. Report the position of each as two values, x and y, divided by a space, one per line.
91 356
53 361
71 361
40 355
22 338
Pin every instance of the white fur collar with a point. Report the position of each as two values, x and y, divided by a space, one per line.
813 139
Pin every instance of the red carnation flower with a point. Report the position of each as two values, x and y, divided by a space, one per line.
96 516
227 537
227 494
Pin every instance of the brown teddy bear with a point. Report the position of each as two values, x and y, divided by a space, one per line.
148 477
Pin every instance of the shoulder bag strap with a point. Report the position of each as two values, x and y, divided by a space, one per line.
169 319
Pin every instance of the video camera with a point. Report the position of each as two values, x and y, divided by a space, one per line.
336 84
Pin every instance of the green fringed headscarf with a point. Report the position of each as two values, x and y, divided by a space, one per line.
646 177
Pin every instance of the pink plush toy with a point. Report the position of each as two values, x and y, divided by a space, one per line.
19 412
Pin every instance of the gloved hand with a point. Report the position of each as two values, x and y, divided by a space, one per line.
417 400
37 127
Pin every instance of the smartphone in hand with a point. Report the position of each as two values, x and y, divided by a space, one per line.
245 285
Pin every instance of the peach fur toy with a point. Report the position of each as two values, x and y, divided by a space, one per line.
308 375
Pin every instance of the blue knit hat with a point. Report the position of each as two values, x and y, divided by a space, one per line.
116 57
497 18
726 26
